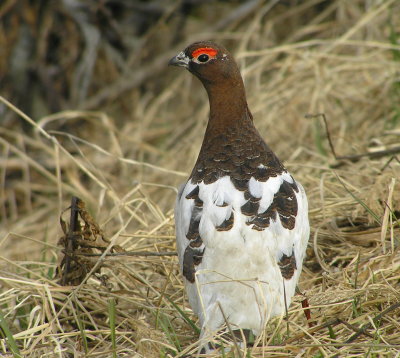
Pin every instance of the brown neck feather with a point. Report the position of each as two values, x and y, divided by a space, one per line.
228 106
232 145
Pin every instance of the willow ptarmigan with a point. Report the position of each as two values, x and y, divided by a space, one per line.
241 219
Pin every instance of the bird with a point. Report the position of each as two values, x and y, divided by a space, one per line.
241 218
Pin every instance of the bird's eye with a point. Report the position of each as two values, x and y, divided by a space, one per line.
203 58
204 54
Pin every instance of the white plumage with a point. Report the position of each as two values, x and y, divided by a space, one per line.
239 269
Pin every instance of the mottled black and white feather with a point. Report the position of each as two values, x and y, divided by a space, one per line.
238 248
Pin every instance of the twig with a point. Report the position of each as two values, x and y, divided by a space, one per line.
368 325
235 343
334 322
328 135
374 320
132 253
70 238
372 155
354 328
394 157
352 157
311 331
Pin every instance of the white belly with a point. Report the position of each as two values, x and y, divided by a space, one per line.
239 279
244 280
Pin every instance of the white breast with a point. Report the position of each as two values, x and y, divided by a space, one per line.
239 270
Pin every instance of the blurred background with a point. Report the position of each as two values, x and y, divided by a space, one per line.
97 71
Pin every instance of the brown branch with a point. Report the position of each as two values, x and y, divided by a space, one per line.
372 155
70 238
352 157
363 329
374 320
354 328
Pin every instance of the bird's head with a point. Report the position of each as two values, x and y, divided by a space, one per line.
208 61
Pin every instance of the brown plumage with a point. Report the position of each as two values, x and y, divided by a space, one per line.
241 215
232 145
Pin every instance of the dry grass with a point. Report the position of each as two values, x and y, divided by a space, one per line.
341 59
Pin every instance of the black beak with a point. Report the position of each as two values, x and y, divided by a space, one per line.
179 60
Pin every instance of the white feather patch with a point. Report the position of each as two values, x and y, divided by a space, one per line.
239 270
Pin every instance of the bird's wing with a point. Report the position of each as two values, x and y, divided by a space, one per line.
275 209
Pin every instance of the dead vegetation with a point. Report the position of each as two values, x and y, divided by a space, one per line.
125 159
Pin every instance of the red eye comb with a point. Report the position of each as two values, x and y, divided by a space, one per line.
207 50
